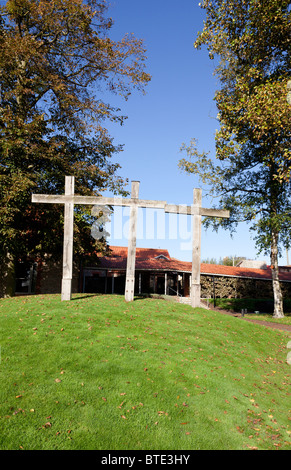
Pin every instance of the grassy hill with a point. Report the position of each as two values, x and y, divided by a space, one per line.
98 373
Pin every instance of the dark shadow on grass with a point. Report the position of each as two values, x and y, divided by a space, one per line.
149 296
136 297
85 296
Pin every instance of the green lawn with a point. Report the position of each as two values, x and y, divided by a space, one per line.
97 373
269 318
265 307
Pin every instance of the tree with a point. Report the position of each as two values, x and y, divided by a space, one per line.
232 260
251 178
56 61
226 261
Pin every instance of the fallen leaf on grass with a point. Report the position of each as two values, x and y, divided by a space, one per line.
47 425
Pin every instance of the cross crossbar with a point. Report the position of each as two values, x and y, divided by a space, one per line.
188 210
95 200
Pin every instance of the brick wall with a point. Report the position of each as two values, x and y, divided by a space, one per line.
239 288
49 277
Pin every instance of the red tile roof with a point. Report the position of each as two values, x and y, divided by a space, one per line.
146 259
141 253
216 269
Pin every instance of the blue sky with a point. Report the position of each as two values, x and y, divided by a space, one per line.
178 106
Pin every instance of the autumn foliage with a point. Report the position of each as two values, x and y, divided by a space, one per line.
249 41
57 63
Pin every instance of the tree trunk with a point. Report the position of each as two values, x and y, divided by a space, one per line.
7 278
278 298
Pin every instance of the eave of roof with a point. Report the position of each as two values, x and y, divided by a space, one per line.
146 260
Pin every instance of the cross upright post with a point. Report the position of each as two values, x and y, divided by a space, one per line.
68 240
131 251
196 248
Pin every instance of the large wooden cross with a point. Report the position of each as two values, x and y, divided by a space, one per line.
69 199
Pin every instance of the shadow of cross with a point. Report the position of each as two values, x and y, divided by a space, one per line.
69 199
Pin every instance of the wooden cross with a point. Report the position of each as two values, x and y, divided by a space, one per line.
69 199
196 210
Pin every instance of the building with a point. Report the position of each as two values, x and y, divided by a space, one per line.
156 272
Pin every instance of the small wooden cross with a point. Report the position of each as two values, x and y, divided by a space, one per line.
196 210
